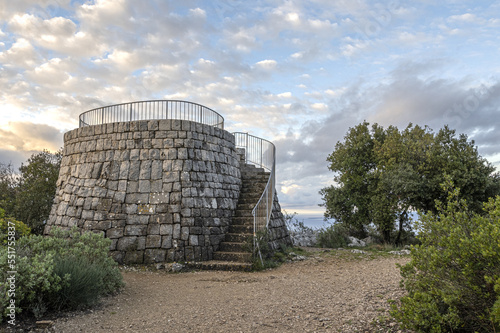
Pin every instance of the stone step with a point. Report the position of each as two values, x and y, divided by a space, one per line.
246 174
246 206
240 229
234 247
242 220
250 191
233 256
237 238
243 213
215 265
246 201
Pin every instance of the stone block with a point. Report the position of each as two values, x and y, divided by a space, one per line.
145 170
153 125
157 185
189 253
103 225
134 171
137 219
193 240
166 229
176 231
144 186
127 244
154 256
156 169
166 242
164 125
135 230
185 233
153 229
153 241
114 233
159 198
146 209
135 257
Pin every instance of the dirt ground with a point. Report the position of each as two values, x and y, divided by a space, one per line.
331 291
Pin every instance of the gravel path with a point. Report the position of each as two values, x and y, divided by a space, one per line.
334 291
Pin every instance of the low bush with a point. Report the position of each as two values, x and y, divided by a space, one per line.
20 229
333 236
453 278
67 271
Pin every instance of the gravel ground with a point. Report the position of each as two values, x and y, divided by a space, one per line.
331 291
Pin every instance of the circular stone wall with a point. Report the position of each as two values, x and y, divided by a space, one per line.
162 190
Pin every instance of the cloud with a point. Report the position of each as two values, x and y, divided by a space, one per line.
28 137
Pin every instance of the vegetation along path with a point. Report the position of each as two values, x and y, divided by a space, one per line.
331 291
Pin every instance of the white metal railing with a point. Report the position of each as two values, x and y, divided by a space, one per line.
262 153
155 109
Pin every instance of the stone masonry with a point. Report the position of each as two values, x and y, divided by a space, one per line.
161 190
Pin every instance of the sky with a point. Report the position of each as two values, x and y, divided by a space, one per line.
298 73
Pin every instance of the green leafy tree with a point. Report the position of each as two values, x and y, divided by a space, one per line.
382 175
453 278
353 162
8 188
36 189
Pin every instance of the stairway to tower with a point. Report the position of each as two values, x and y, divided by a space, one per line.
235 252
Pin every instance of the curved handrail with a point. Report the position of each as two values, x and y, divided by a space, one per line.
153 109
262 153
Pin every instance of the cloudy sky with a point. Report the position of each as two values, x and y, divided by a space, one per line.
298 73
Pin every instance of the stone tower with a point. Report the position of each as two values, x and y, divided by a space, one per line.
162 190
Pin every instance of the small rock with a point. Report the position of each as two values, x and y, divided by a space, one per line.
176 267
356 242
402 252
358 251
43 324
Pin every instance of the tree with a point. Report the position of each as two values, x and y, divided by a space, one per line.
8 188
354 163
36 189
383 175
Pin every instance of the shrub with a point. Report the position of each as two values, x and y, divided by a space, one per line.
333 236
64 272
81 283
453 278
20 228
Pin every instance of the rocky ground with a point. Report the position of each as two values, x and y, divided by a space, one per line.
331 291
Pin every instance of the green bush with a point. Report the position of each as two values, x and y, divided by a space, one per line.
81 283
20 229
453 278
64 272
333 236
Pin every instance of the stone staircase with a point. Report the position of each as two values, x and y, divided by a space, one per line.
235 252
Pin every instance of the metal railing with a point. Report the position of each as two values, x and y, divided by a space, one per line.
149 110
263 154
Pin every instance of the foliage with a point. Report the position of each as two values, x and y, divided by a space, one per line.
333 236
68 270
37 188
453 278
81 282
382 175
8 188
20 229
293 224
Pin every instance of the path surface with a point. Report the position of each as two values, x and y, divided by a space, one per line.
333 291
